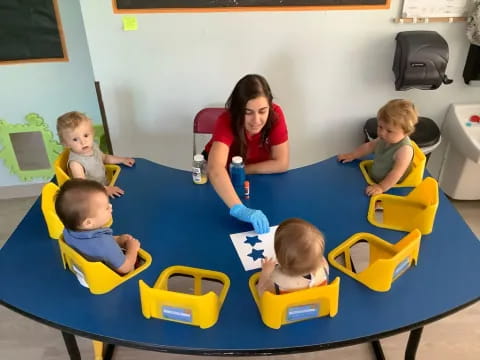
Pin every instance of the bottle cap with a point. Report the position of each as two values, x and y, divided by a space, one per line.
198 157
237 160
246 183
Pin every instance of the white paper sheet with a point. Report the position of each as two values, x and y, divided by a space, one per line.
435 8
250 242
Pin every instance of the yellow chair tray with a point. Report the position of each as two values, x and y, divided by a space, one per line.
416 210
95 275
278 310
413 178
387 262
197 309
54 225
60 166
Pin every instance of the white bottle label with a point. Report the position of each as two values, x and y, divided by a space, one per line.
197 174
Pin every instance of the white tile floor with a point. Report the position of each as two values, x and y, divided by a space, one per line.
454 337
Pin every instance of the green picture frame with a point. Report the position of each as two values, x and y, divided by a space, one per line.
34 123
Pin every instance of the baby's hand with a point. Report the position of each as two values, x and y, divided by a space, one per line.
113 191
268 265
345 158
133 244
128 161
374 189
126 238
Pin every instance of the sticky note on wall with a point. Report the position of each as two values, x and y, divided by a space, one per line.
130 23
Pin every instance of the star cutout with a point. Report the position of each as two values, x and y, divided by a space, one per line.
256 254
252 240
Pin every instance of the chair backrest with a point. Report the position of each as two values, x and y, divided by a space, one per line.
54 225
387 262
415 176
60 165
97 276
278 310
417 210
204 122
193 309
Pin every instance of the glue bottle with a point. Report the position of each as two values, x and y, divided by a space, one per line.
237 174
199 169
246 188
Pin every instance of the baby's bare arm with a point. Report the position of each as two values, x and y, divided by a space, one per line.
76 170
402 157
123 239
114 191
264 282
132 246
113 159
362 150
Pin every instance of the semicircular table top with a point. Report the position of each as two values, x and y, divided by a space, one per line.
180 223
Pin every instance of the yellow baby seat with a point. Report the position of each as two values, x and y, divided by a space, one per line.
95 275
415 211
54 225
386 263
278 310
60 165
194 309
413 178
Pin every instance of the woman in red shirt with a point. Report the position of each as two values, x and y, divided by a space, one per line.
253 127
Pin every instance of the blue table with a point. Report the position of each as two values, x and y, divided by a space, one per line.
180 223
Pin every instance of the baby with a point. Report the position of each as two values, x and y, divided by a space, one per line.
84 209
86 160
299 250
393 152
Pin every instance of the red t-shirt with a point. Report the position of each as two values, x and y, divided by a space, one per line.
256 151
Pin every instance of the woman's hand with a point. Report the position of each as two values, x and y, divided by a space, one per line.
256 217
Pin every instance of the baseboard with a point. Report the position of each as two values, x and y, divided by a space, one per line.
19 191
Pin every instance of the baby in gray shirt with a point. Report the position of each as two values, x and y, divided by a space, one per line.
86 160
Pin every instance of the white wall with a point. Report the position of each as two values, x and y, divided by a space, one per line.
329 70
50 88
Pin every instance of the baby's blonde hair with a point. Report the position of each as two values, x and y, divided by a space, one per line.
70 121
399 112
299 247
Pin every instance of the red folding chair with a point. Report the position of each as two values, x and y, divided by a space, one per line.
204 123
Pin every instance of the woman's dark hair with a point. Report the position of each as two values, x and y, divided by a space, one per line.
247 88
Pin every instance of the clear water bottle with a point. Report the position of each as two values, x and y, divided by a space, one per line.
199 169
237 174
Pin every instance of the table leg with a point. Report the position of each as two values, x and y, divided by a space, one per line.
71 345
412 345
377 349
108 355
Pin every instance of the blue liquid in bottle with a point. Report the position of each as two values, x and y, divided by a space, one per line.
237 174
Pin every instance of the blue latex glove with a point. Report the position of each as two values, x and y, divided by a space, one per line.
256 217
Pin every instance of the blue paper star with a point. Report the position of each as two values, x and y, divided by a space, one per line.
256 254
252 240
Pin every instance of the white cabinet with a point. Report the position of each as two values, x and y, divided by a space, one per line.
456 164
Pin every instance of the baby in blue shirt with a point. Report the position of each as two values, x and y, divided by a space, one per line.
84 208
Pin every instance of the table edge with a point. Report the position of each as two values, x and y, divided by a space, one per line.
252 352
